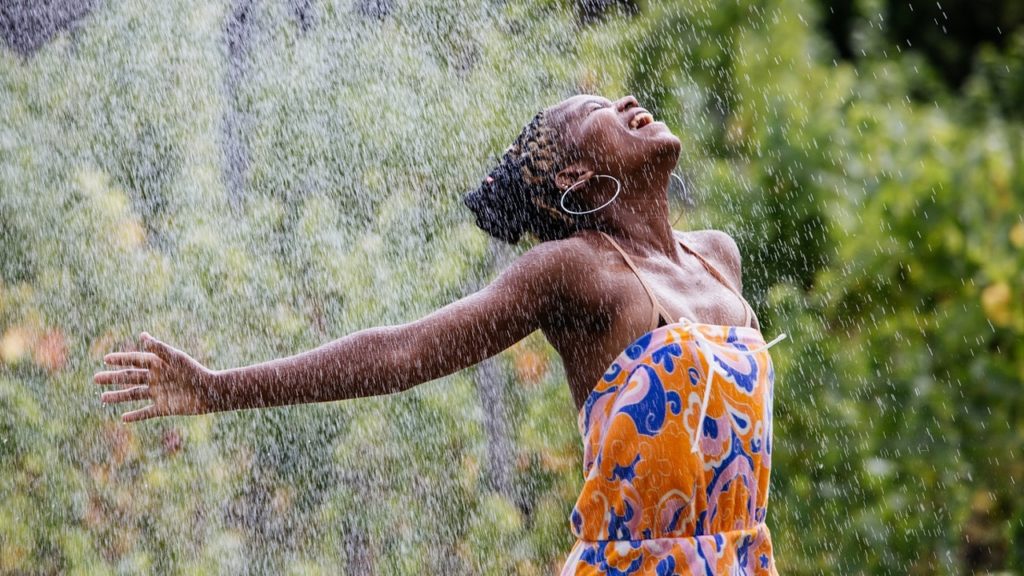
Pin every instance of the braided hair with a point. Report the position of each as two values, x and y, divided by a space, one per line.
520 195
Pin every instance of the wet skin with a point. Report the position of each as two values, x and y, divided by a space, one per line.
577 291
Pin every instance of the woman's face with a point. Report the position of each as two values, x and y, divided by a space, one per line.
617 138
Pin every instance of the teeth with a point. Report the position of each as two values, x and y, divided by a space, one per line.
640 120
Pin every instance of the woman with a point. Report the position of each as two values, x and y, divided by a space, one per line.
677 429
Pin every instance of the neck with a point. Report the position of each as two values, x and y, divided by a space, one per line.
639 216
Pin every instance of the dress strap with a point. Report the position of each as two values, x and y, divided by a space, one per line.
748 311
658 308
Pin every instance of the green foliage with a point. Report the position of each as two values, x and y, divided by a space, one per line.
879 213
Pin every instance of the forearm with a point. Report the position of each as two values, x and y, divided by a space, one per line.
366 363
394 358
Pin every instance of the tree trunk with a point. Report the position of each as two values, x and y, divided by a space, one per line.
490 385
238 36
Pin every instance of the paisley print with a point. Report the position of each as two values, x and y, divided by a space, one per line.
650 504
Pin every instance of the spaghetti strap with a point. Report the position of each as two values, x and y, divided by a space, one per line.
748 310
658 310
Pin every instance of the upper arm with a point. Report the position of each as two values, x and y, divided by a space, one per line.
527 295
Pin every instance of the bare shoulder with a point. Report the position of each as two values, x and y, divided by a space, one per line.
566 277
558 257
558 267
719 248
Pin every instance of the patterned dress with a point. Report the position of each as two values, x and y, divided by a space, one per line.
677 455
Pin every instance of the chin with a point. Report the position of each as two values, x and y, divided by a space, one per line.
666 144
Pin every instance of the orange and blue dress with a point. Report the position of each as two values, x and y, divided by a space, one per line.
677 439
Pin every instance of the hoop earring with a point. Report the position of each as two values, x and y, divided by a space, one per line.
618 188
686 195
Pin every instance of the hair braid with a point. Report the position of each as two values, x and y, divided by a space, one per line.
519 193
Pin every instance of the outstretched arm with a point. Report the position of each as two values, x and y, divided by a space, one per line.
369 362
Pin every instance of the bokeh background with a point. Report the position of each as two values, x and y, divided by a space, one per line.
247 179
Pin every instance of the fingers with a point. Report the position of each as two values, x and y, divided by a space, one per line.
129 395
141 414
138 373
150 344
122 377
146 360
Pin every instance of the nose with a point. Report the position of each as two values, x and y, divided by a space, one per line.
626 103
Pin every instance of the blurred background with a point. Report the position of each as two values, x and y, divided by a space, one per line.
248 179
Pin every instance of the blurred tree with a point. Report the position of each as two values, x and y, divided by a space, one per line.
238 33
590 11
950 34
375 8
252 179
26 25
491 383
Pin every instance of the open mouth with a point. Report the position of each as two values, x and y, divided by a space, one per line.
640 120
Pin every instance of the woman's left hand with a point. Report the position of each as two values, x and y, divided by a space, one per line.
174 382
